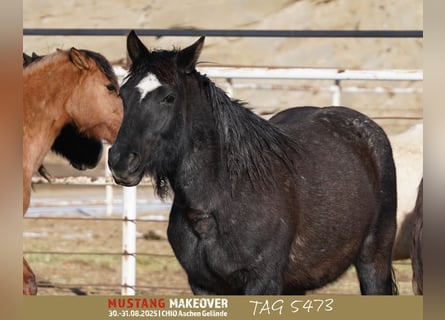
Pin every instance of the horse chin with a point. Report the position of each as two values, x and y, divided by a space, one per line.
83 166
129 180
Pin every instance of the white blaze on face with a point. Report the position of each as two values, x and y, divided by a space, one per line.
148 84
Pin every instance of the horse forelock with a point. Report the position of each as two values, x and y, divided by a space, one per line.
159 63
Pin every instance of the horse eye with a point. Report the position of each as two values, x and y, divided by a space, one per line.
169 99
111 87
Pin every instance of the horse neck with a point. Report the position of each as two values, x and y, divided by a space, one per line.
239 144
46 94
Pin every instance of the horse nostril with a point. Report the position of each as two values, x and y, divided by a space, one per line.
133 161
123 162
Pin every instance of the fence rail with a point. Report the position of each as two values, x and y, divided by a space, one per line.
228 73
227 33
243 72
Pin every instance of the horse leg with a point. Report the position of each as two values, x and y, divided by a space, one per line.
263 287
374 261
374 266
29 280
198 290
261 283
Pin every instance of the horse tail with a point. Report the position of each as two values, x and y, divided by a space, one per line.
376 151
385 184
380 153
395 289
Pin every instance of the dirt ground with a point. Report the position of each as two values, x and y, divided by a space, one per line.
66 274
157 270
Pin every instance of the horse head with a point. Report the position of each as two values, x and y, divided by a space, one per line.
155 100
81 151
95 107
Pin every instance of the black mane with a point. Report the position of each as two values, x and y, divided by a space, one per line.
249 144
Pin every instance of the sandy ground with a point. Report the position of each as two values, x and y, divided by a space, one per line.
157 270
53 235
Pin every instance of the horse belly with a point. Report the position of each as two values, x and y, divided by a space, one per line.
336 210
311 268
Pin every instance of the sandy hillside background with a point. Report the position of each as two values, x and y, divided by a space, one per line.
345 53
247 14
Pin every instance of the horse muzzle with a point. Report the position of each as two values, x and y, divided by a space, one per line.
127 169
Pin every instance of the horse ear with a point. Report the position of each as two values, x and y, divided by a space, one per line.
188 57
135 47
26 59
79 59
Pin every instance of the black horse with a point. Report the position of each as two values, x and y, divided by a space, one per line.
260 207
81 151
416 247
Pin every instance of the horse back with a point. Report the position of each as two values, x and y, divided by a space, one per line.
349 128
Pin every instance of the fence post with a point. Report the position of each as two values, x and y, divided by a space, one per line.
229 90
108 187
129 241
336 93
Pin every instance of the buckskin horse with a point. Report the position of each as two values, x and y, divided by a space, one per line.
81 151
259 207
67 89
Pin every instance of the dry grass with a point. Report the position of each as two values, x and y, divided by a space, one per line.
69 274
100 274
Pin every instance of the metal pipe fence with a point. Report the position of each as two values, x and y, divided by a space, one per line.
226 33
